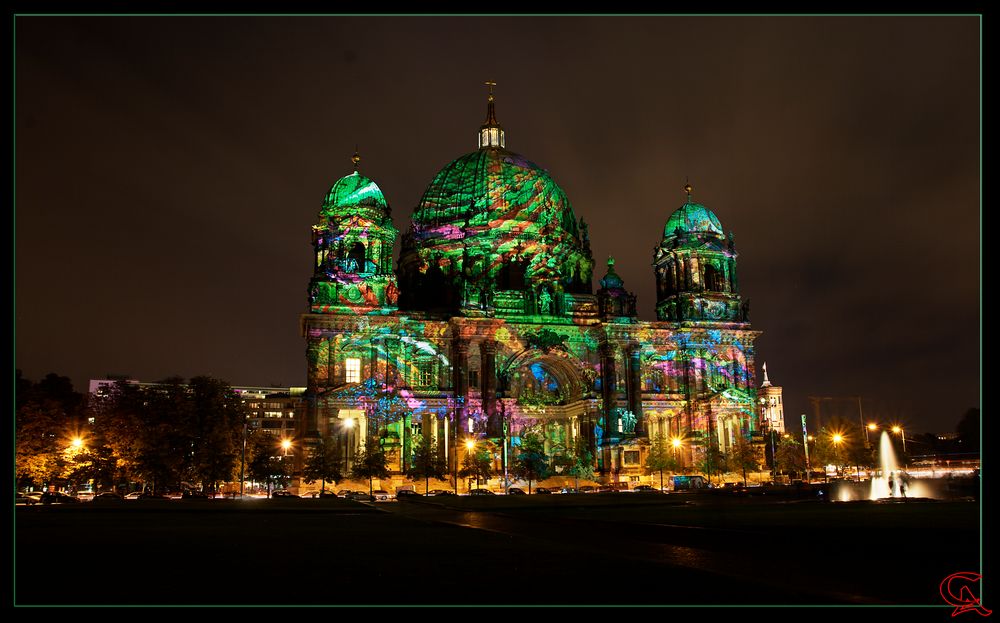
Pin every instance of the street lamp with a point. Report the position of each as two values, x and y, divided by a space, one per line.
837 439
902 435
469 445
675 444
243 460
871 428
347 426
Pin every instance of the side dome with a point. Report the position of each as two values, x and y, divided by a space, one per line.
353 191
692 218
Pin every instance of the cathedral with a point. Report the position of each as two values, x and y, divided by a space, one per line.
488 327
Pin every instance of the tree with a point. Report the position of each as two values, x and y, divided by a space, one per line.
217 417
968 431
582 465
323 464
789 456
743 455
370 464
823 452
662 456
859 455
49 414
531 462
478 464
426 462
712 459
263 464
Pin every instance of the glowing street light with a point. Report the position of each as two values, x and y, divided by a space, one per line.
347 426
77 443
469 445
898 430
837 439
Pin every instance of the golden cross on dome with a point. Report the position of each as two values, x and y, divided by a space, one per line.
490 84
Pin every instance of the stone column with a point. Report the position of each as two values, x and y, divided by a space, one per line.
331 360
635 386
609 393
488 387
460 384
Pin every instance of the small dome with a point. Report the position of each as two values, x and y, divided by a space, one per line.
352 191
692 218
611 280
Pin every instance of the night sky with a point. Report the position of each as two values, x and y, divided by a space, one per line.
168 170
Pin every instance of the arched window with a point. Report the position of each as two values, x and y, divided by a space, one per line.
713 278
511 275
357 253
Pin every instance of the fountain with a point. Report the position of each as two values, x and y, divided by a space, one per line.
889 480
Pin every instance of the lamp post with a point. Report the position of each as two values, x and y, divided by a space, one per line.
902 435
675 444
243 459
837 439
469 446
347 426
871 428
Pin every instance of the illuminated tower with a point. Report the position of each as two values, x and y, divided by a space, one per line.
697 296
613 300
696 268
771 409
353 249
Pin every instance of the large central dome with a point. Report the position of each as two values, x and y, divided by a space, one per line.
495 220
494 192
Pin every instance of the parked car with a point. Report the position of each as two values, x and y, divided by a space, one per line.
543 491
588 489
381 495
135 495
440 492
403 494
645 489
194 495
24 499
481 492
331 494
515 491
149 495
567 490
284 493
360 496
58 497
108 497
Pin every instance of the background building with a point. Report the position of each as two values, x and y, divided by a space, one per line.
772 412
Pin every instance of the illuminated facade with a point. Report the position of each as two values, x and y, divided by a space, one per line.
489 326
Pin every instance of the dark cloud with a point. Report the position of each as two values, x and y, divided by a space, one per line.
168 170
